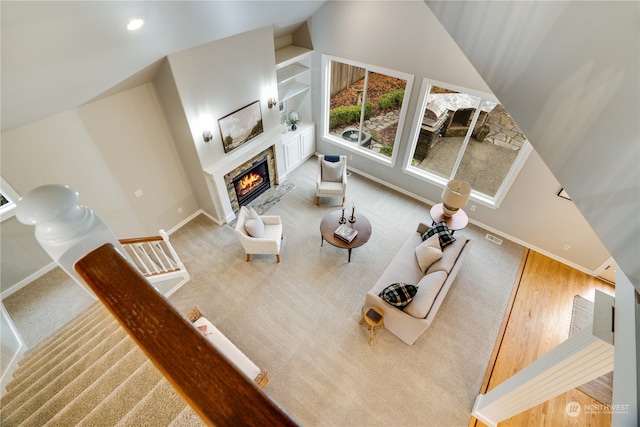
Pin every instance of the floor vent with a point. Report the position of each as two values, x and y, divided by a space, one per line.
493 239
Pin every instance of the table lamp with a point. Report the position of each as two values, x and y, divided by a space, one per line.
455 196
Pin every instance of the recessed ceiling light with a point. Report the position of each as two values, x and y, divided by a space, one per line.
135 24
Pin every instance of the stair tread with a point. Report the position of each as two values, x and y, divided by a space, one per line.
44 388
81 406
77 385
43 351
66 329
160 407
121 400
187 418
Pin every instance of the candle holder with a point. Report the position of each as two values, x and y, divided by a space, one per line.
342 219
352 218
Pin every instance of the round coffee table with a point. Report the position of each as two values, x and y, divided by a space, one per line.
330 223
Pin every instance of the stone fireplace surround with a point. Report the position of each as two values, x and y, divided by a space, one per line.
219 176
229 177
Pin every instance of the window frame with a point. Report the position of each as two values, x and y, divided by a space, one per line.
425 176
326 102
9 210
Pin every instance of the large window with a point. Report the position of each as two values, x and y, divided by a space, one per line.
365 107
468 136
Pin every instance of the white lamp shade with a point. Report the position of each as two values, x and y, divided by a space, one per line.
455 196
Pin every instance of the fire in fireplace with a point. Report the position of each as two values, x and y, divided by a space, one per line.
251 183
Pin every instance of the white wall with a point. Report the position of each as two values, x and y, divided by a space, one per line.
211 81
105 150
407 37
567 72
220 77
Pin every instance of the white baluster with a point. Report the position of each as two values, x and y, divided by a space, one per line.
66 231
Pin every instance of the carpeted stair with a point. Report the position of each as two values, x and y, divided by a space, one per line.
91 373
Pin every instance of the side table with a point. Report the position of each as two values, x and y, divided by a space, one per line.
456 222
374 318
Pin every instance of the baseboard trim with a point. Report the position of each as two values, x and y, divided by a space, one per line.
481 225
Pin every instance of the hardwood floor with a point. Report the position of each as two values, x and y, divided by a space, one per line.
539 321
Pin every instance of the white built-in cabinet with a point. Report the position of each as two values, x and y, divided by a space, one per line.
298 145
293 72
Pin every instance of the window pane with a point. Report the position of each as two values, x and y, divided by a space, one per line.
376 127
492 151
446 121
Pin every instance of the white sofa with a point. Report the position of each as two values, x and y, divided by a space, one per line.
227 348
404 268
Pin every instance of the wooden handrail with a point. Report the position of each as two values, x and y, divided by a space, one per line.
140 240
218 392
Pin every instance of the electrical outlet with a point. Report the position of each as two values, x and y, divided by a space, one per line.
566 247
138 193
350 157
473 208
179 210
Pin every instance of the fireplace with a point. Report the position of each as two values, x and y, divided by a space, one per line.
251 183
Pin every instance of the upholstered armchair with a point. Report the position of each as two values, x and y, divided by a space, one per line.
332 177
259 234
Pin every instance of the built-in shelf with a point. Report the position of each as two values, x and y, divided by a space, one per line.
290 54
293 74
290 90
290 72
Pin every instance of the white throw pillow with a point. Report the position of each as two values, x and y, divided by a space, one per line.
428 289
253 225
428 252
332 171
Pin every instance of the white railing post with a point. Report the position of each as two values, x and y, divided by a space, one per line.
66 231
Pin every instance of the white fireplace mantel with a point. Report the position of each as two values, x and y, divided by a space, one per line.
215 173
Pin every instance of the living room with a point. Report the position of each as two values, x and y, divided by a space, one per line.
108 171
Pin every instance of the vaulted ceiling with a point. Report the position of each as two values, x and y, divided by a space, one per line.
58 55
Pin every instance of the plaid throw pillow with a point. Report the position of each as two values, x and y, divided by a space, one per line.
444 234
398 294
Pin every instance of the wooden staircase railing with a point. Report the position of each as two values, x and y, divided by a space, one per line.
85 248
215 389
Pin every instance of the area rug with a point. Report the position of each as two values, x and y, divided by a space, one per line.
269 198
601 389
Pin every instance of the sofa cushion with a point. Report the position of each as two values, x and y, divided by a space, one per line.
450 255
398 294
428 289
332 171
253 225
428 252
444 234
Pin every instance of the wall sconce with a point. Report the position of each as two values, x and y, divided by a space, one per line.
455 196
207 135
271 102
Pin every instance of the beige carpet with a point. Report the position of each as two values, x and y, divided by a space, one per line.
299 318
601 388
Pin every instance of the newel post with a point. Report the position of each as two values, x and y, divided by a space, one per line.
65 230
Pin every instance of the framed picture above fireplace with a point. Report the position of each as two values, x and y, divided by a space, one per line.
241 126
